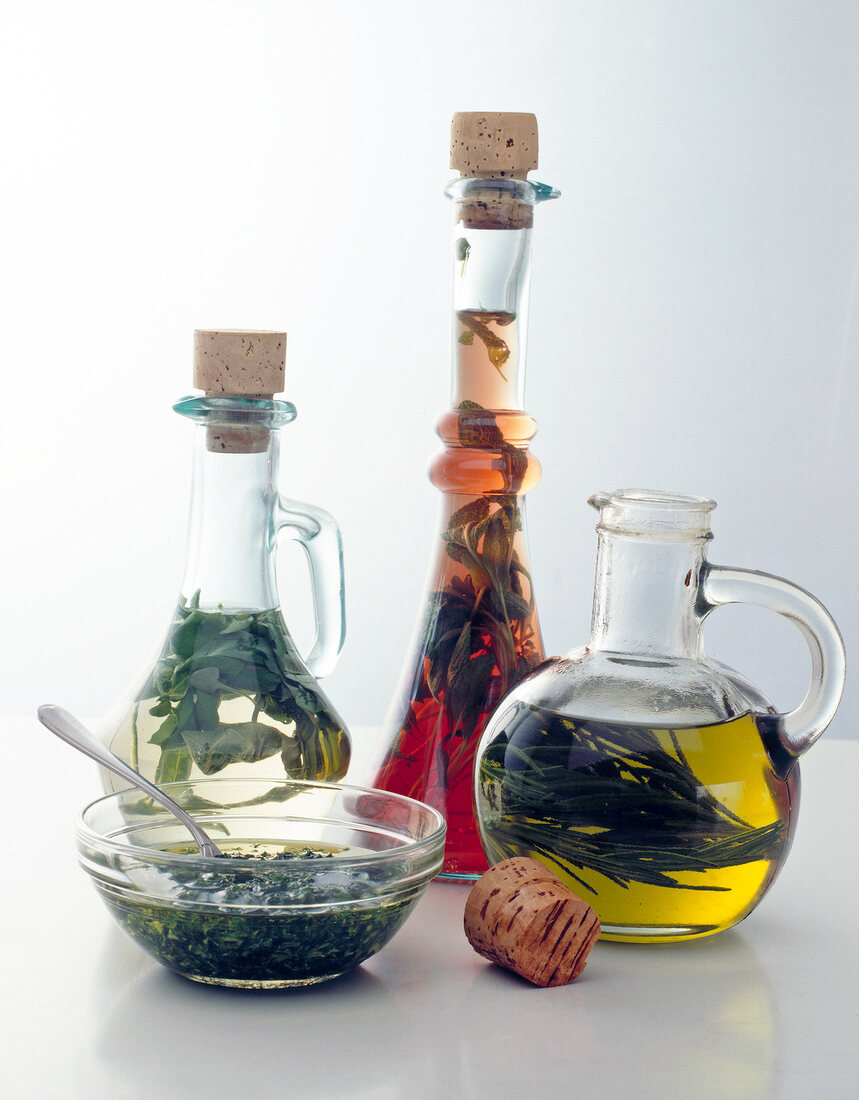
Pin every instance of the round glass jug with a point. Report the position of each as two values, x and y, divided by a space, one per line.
660 785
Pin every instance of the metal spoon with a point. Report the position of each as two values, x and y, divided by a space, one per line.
74 733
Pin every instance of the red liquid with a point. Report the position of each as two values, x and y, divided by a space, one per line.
452 694
479 633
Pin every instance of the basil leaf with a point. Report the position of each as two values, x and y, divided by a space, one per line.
206 711
165 731
246 742
174 765
204 679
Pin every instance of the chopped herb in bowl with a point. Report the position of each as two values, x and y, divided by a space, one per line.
309 887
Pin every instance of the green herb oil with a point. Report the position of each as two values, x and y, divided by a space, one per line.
230 696
226 928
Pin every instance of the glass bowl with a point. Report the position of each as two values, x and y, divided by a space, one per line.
319 876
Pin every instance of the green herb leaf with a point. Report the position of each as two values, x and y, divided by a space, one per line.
205 679
165 731
212 750
206 711
211 657
290 754
473 512
174 765
496 544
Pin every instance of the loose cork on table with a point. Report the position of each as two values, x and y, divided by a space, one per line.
520 916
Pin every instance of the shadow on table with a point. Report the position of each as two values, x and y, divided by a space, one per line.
165 1035
696 1018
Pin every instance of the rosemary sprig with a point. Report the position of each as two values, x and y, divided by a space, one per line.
609 798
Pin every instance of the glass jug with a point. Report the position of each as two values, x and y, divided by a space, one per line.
660 785
229 694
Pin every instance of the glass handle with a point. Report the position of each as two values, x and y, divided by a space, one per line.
318 533
800 728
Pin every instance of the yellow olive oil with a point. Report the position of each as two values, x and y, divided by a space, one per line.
668 833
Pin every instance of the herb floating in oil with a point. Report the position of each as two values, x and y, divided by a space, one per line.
619 800
213 657
283 926
480 638
477 323
481 642
462 250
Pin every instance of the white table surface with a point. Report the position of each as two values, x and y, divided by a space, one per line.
768 1009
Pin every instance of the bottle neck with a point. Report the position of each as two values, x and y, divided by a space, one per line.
490 316
491 280
645 596
229 556
486 432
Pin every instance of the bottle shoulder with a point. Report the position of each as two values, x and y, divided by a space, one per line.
602 686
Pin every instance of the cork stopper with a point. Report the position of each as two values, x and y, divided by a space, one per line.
235 363
493 144
520 916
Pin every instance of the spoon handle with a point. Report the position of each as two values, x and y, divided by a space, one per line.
74 733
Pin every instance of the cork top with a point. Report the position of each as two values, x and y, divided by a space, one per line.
493 144
235 363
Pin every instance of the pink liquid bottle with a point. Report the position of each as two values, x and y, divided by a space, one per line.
478 632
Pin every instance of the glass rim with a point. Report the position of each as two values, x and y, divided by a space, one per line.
653 514
237 411
527 191
662 499
413 847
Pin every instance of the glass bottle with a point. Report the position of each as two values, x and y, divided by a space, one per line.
479 632
660 785
229 694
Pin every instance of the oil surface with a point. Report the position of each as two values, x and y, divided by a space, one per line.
667 832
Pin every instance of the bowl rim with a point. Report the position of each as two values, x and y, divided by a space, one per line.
90 836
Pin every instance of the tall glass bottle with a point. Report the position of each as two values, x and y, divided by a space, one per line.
478 634
229 694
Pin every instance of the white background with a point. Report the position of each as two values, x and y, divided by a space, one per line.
694 320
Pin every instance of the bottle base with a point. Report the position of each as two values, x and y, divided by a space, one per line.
628 933
264 983
466 877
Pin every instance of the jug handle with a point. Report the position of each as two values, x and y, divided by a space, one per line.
797 730
319 535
